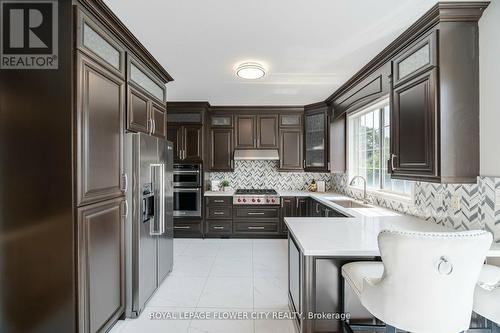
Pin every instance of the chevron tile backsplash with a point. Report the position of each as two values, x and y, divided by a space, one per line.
479 203
265 174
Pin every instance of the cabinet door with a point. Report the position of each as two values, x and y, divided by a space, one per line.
291 149
221 149
100 265
174 134
301 207
138 111
267 131
316 141
100 111
246 132
158 117
192 143
287 210
414 128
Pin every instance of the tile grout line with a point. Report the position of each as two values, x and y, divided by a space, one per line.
204 286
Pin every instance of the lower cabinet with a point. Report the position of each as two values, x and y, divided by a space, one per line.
101 261
184 227
256 221
292 207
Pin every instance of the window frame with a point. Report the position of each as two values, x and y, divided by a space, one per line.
380 191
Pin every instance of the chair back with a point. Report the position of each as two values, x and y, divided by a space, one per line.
429 279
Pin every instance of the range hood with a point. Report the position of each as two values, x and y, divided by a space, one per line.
256 154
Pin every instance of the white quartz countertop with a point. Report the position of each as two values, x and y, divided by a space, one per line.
229 193
356 235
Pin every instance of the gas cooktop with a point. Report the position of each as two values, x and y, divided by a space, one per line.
256 197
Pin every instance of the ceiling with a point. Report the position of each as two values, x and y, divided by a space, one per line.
309 47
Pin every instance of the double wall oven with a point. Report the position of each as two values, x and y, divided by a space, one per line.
187 190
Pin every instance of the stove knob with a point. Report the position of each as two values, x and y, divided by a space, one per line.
258 200
273 200
253 200
244 200
267 200
239 200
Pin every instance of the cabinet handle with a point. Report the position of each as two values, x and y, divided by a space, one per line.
125 209
256 228
252 213
183 227
154 126
219 201
124 182
218 213
232 164
218 227
296 203
317 208
303 164
393 156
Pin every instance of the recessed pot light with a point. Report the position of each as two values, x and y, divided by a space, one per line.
250 71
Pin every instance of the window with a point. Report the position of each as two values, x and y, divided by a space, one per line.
369 149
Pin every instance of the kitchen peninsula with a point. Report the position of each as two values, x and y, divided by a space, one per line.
319 246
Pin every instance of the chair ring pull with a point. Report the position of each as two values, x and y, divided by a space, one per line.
444 266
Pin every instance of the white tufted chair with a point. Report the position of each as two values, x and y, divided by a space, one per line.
487 295
425 282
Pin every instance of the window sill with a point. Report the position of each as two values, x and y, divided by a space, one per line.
408 200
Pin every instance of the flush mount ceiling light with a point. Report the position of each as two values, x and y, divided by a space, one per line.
250 71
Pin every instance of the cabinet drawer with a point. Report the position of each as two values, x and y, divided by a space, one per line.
257 227
187 227
219 212
219 227
256 212
213 201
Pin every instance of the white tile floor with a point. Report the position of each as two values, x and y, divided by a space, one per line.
220 275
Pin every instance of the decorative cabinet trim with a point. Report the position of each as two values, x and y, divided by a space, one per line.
419 58
132 66
106 36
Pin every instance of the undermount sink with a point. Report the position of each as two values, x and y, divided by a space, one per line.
350 204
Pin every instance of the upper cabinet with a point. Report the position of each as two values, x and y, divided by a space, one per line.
316 138
185 128
291 142
256 131
431 73
435 100
221 142
246 131
146 101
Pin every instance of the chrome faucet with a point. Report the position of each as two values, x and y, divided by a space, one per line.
365 200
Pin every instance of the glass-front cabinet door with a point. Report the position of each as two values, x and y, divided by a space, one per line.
316 141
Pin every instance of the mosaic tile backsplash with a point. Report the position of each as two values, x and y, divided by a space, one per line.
479 203
265 174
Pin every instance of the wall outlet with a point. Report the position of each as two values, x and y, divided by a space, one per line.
455 202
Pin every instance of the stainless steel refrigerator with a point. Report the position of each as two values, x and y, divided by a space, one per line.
149 227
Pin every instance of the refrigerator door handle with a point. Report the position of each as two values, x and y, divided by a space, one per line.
162 199
155 227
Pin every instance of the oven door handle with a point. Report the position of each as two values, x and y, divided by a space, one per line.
194 172
177 189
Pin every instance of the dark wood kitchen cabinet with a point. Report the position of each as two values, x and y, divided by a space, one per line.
100 112
414 128
187 142
221 149
246 131
287 210
218 216
101 271
267 131
256 131
146 105
316 138
291 148
435 104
